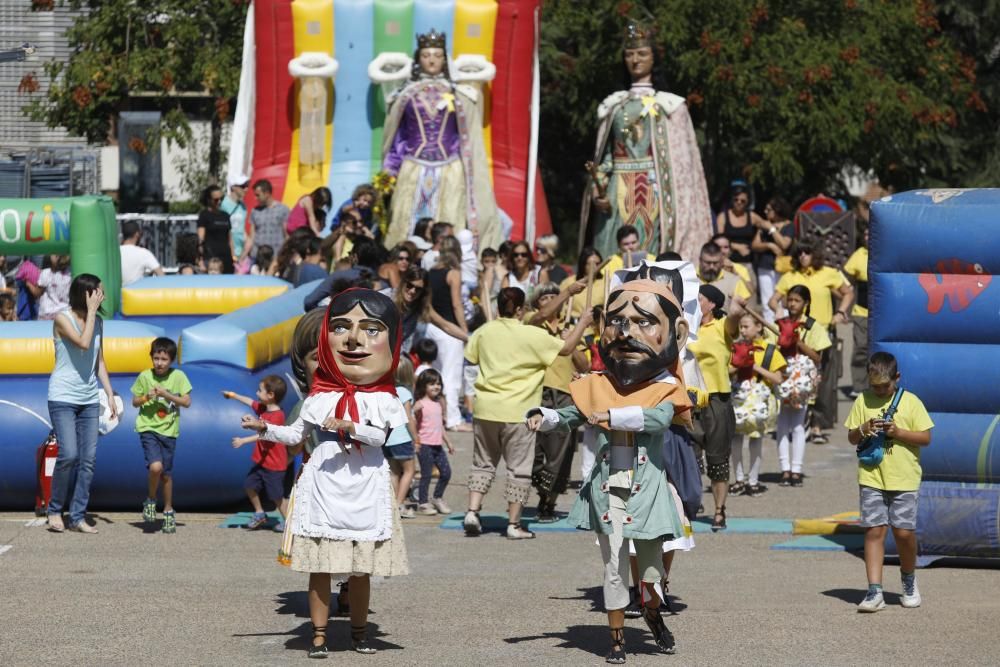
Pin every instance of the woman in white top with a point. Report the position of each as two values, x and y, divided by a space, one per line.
345 521
523 272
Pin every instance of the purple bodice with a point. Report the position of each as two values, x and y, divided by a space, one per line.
427 128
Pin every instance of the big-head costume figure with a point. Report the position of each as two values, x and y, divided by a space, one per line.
632 404
344 518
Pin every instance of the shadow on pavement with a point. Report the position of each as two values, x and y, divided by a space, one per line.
338 637
595 639
856 595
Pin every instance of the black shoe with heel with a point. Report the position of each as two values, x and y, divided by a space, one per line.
719 521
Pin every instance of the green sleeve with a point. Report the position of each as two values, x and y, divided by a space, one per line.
658 419
139 387
570 418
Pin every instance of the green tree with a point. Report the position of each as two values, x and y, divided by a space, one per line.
785 93
164 49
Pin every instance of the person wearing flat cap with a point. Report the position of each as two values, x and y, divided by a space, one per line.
716 422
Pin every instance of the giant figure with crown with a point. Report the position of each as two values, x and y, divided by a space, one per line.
434 140
646 169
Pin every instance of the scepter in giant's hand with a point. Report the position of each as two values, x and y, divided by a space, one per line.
600 188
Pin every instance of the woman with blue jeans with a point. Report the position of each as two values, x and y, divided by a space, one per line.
74 404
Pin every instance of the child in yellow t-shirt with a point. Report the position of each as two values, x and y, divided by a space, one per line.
889 490
856 268
754 402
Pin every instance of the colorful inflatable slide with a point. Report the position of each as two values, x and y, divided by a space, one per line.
353 32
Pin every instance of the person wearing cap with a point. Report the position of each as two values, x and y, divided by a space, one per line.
242 233
717 421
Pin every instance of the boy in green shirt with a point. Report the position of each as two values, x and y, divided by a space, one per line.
159 393
889 490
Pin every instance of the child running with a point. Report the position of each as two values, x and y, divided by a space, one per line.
429 412
801 340
889 490
270 459
159 393
757 375
403 441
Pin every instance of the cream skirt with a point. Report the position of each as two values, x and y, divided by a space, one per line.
349 558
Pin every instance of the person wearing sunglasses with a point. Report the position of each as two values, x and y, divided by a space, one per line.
215 237
825 284
546 250
400 259
522 271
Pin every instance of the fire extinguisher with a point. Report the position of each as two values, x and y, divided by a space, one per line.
45 460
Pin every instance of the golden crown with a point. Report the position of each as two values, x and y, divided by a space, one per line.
638 36
431 40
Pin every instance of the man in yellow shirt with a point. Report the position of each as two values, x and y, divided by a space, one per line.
825 283
728 264
857 269
512 359
717 421
889 490
628 246
711 271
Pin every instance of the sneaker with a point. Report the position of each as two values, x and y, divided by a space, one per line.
873 602
426 509
170 523
546 515
406 512
279 527
911 595
516 532
441 506
83 527
754 490
56 524
256 521
471 524
149 510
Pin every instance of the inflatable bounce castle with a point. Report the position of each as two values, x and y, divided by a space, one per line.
935 306
348 112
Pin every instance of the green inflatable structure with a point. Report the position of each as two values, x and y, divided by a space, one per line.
84 228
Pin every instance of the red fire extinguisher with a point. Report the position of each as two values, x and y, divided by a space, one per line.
45 460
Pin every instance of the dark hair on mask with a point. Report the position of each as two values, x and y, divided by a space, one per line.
374 304
304 341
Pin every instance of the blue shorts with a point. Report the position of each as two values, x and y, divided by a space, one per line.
268 482
402 451
159 449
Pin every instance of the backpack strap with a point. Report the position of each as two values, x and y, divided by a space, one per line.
809 323
895 404
768 356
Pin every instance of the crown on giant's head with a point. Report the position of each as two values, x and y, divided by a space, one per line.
638 35
431 40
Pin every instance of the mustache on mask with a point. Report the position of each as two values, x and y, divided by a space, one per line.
631 345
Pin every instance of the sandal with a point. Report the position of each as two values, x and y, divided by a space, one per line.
820 439
736 488
717 523
786 478
616 656
359 640
319 650
661 636
796 479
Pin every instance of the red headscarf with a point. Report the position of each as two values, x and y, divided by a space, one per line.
329 377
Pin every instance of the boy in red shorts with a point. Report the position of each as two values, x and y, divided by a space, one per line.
270 458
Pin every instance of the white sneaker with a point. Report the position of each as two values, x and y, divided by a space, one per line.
441 506
425 509
406 512
517 532
873 602
911 595
471 524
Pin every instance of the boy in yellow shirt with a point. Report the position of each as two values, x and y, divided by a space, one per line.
890 489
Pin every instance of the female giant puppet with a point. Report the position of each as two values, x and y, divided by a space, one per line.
647 168
632 406
434 141
344 518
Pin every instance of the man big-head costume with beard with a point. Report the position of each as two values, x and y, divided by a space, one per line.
632 405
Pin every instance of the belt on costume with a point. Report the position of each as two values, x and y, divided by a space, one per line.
632 165
431 163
